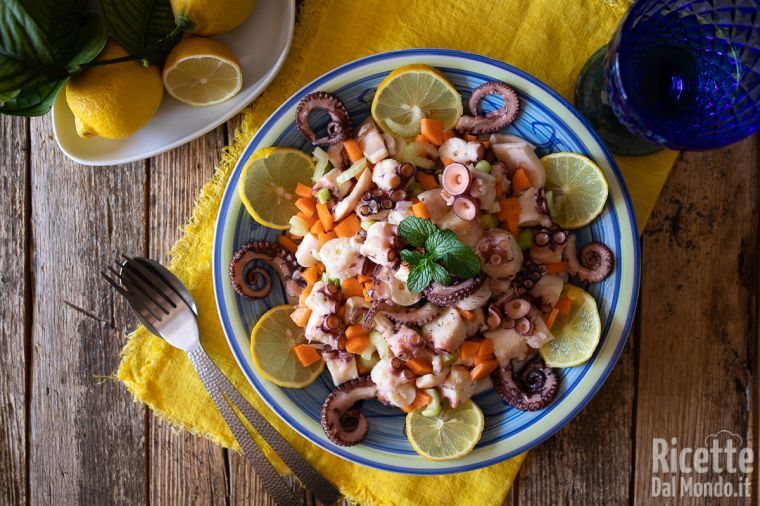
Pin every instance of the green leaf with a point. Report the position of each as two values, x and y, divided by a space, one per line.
462 262
90 41
440 274
138 24
441 243
420 277
33 101
415 230
411 257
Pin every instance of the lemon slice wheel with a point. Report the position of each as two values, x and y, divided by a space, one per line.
411 93
272 341
576 334
451 434
201 72
576 189
268 182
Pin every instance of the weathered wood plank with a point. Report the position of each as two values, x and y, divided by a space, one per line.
14 152
588 461
699 289
87 436
184 469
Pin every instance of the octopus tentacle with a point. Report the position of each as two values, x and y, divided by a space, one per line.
283 262
443 295
344 424
595 264
338 129
415 316
494 120
528 389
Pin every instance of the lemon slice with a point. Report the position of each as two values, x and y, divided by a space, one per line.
411 93
576 334
201 71
450 434
576 189
272 341
268 183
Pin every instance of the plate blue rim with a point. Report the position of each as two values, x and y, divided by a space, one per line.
219 275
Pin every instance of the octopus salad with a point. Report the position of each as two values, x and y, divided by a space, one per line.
423 269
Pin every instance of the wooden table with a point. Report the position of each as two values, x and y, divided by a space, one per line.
68 434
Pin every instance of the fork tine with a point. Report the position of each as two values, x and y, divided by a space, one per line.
135 303
155 280
148 292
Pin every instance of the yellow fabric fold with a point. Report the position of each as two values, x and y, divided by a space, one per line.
548 39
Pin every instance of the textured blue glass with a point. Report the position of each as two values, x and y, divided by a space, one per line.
686 73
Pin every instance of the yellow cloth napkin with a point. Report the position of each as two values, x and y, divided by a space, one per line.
549 39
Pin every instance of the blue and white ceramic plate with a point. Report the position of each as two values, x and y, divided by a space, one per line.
547 121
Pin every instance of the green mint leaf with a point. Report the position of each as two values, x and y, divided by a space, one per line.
440 274
138 24
411 257
415 230
441 243
462 261
420 277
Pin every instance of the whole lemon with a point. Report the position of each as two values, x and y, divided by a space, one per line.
212 17
114 100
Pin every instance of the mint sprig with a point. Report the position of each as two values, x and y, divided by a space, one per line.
444 255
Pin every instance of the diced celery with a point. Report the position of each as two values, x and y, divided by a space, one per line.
434 408
414 188
368 223
525 239
298 226
354 170
489 220
323 195
377 339
322 160
483 166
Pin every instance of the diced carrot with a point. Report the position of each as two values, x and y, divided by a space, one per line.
447 162
420 210
520 181
342 341
300 316
357 344
354 331
420 365
317 228
499 189
308 219
556 268
510 214
432 130
421 138
304 294
564 305
427 181
311 274
327 236
353 150
552 316
362 369
303 191
307 206
306 354
351 287
469 349
486 144
363 278
448 134
287 243
467 315
420 401
325 216
348 227
486 347
470 138
483 369
366 295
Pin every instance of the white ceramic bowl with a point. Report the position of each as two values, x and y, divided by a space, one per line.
552 125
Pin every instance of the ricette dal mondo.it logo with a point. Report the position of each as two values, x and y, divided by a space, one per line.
720 468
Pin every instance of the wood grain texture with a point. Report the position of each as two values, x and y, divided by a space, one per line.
13 311
699 288
87 436
184 469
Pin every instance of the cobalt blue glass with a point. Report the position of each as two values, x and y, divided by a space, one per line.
682 74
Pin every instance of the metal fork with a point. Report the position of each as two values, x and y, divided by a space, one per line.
167 309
